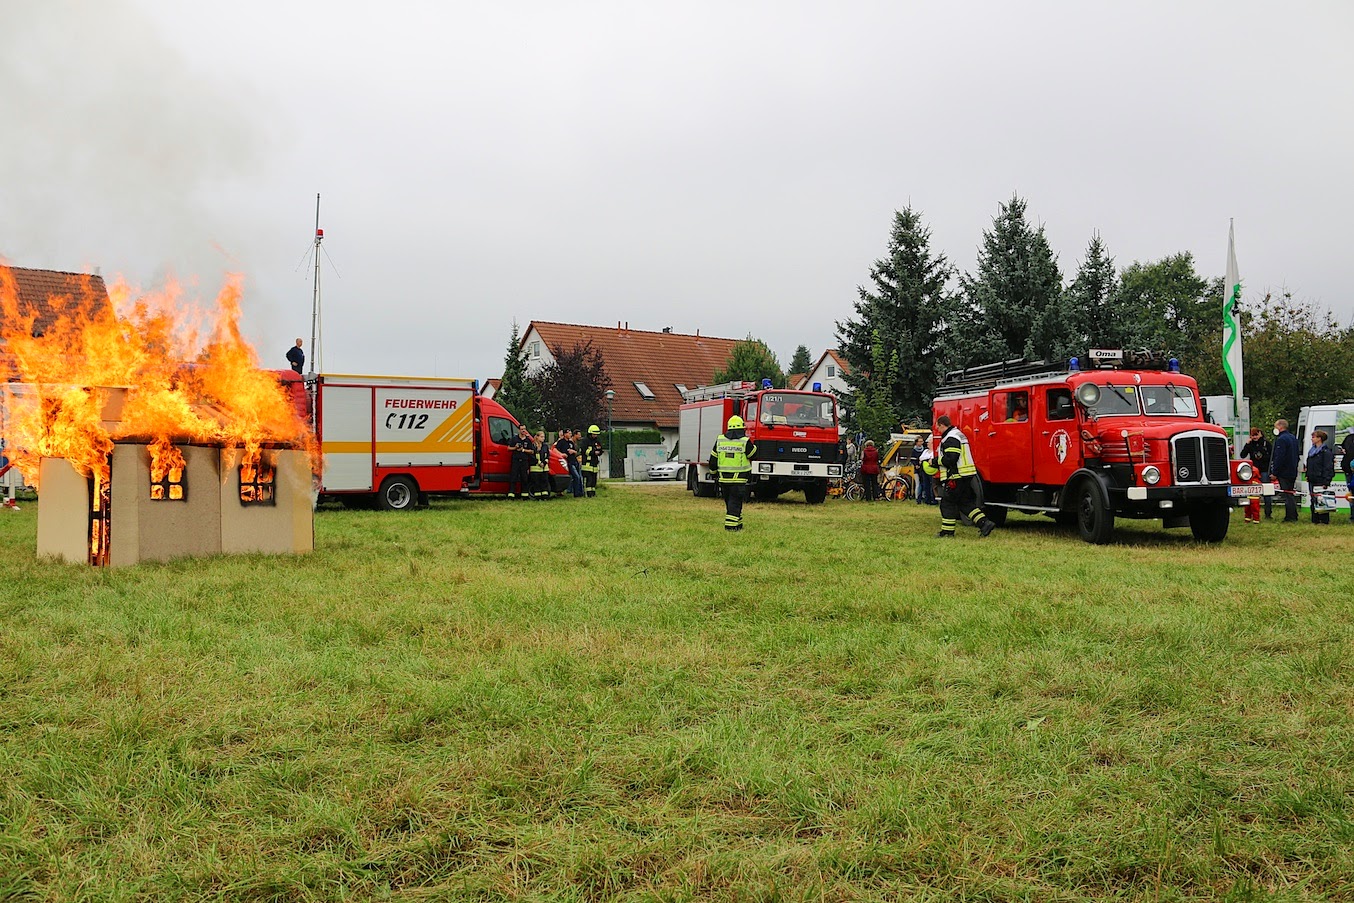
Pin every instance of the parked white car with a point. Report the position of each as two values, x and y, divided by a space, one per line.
668 470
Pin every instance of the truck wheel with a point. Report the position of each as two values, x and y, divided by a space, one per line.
397 494
1209 523
816 492
1095 521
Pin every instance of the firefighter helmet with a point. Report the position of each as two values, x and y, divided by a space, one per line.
593 430
735 423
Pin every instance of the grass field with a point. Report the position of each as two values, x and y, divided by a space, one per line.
615 699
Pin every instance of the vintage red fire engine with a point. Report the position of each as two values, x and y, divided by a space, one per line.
1115 434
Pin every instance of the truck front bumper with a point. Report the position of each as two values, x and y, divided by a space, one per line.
1174 496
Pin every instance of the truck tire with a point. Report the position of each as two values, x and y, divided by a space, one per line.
397 494
1209 523
996 514
815 493
698 489
1095 520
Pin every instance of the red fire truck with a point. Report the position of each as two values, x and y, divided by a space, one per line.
1115 434
795 433
396 440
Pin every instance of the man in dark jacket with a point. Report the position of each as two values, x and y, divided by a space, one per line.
296 357
1283 466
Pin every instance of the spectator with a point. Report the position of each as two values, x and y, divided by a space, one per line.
1320 474
1283 467
1257 451
926 487
1347 449
296 357
869 470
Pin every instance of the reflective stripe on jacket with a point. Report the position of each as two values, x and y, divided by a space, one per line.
733 458
955 454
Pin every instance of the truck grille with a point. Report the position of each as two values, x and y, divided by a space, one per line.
1200 459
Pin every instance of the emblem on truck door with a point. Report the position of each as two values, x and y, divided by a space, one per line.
1060 443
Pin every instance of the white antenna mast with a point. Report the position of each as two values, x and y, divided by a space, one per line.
316 326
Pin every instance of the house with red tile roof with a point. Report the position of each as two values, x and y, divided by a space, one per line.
491 387
648 370
43 292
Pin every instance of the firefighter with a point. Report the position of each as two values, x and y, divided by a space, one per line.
540 468
592 459
959 487
523 453
732 459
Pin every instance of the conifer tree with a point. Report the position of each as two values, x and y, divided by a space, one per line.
801 362
901 311
516 392
1016 283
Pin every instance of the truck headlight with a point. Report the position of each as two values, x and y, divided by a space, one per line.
764 468
1150 475
834 470
1244 471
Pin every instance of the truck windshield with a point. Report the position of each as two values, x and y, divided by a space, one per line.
797 409
1115 401
1169 401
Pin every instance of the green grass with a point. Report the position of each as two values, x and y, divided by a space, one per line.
615 699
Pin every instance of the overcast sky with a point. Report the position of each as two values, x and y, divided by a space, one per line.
731 167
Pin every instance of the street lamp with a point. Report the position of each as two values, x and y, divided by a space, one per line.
610 449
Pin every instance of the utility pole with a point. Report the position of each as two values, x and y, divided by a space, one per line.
316 326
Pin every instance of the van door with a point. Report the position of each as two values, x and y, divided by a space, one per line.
497 446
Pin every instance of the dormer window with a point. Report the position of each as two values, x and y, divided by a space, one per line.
680 388
645 392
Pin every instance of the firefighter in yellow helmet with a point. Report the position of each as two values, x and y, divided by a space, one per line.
959 485
592 460
732 459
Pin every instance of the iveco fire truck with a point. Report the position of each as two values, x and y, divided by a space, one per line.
1115 434
795 434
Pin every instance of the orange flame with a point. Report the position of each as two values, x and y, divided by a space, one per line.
178 388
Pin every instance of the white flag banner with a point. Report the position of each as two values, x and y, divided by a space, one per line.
1231 325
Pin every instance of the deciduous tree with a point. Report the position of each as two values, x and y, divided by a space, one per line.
751 360
573 387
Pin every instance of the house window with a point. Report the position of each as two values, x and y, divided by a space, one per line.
645 392
535 349
831 371
681 388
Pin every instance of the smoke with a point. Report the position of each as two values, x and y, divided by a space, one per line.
113 140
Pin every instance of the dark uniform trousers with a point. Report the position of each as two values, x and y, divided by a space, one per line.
962 499
735 491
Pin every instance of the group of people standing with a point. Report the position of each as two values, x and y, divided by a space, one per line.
1281 463
530 474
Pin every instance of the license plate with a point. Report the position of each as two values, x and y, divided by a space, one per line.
1248 489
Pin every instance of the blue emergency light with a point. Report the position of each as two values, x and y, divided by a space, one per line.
1074 364
817 387
1174 364
766 383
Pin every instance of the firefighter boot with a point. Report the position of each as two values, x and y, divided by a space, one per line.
988 525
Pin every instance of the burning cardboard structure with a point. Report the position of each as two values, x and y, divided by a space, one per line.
212 504
148 445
